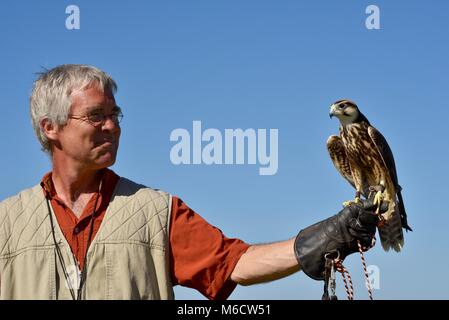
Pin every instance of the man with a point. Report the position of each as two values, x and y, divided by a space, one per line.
86 233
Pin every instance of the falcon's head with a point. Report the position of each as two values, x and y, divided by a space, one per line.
346 111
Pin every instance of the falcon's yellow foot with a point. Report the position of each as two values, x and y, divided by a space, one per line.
378 198
355 201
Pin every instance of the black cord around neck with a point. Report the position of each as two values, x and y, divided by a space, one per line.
58 252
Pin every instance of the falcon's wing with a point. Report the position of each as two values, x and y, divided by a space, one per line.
385 152
339 158
387 156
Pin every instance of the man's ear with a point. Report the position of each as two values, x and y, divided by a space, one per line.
50 129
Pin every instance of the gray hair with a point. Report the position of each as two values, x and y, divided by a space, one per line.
50 98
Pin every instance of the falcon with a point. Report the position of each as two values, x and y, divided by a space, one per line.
363 157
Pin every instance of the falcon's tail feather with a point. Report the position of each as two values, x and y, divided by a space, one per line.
391 236
402 211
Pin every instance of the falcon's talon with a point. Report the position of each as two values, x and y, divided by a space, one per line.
350 202
347 203
378 198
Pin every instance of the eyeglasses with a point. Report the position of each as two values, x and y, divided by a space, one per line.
98 119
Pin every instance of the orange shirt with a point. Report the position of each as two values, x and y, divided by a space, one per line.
202 258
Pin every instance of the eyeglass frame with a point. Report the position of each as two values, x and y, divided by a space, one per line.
118 114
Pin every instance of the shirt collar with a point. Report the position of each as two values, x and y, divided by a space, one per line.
49 188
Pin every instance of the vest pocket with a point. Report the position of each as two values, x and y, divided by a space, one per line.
28 274
126 270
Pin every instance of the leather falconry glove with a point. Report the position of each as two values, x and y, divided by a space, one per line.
337 235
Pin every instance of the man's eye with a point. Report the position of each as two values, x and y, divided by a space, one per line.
96 117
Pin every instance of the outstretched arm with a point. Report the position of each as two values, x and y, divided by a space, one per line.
337 234
266 262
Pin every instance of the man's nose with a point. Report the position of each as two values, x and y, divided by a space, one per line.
110 124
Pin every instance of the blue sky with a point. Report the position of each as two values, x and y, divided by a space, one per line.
261 65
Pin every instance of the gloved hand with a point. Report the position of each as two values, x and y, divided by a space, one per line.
337 235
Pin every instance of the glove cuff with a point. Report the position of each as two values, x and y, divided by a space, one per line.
310 247
330 236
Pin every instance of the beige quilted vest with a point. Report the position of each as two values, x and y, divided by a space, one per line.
128 258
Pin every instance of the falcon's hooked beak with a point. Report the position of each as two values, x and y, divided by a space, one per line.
332 112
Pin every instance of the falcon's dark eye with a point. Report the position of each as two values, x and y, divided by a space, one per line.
342 106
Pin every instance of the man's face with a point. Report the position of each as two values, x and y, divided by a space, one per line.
91 147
